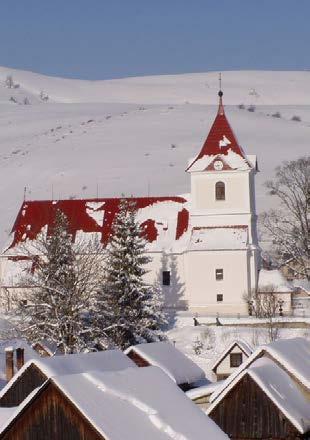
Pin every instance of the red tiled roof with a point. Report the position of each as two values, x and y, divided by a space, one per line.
35 215
220 130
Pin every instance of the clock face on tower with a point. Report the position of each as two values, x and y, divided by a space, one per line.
218 165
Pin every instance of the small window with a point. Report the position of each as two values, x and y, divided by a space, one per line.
166 278
219 275
219 297
235 359
220 191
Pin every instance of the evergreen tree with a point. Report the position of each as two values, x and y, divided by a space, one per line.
60 293
128 310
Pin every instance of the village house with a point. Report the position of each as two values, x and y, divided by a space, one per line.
36 371
231 358
301 298
268 396
273 282
182 370
263 402
203 245
135 403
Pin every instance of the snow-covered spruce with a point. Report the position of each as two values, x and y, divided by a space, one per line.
61 290
128 310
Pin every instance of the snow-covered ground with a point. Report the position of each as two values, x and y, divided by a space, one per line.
135 135
216 339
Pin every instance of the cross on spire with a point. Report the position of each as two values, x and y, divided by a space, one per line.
221 107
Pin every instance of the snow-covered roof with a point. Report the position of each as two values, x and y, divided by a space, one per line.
303 284
173 362
273 278
136 403
221 145
29 353
6 414
75 363
219 238
203 391
243 345
291 354
280 388
163 220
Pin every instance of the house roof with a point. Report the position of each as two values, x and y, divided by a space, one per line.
173 362
302 284
273 278
276 383
203 390
221 143
75 363
291 354
244 347
162 219
136 403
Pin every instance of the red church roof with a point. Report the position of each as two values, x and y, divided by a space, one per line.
97 215
221 140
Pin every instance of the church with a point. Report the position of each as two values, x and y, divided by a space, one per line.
204 245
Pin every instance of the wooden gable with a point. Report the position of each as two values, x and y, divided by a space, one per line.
137 359
246 412
50 415
22 386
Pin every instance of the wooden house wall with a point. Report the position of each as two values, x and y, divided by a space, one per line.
247 413
23 386
137 359
51 416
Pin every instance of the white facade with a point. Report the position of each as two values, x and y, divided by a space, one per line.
225 365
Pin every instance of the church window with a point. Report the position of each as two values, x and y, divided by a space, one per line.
235 359
220 191
219 275
219 297
166 278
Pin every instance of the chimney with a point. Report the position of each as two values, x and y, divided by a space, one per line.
9 363
20 360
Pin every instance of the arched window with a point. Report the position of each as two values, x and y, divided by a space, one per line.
220 191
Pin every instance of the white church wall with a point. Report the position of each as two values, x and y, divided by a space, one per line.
175 294
203 287
237 198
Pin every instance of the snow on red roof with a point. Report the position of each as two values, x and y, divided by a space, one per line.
221 140
94 216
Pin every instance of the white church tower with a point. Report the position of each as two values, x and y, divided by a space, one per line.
222 260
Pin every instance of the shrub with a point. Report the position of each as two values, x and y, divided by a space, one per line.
198 346
296 118
208 337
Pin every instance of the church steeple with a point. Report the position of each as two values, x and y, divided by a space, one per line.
221 144
220 93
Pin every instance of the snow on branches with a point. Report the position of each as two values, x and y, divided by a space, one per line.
289 226
129 311
61 290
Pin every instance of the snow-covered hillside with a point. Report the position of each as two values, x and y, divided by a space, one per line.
135 135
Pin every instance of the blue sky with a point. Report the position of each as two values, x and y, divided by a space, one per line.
99 39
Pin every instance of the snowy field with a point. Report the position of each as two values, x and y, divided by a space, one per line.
216 339
135 136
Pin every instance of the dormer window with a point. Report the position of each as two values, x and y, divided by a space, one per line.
220 191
